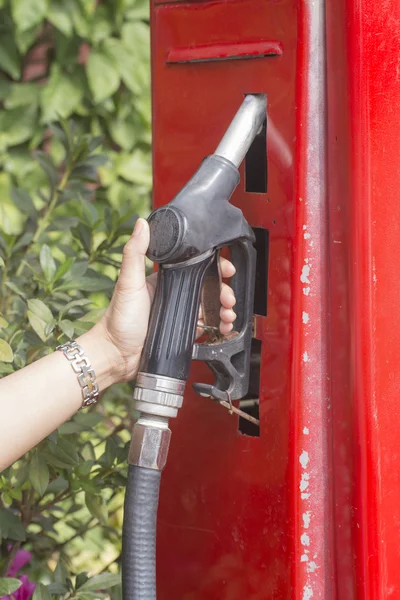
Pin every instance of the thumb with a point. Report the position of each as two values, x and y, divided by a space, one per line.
133 268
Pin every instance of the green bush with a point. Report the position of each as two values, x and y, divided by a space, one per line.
75 173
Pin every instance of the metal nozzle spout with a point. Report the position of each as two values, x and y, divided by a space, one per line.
241 132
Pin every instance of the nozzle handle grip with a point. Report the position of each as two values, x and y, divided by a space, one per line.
173 319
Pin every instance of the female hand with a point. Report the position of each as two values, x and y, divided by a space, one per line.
125 321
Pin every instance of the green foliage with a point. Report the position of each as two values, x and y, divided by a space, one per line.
74 174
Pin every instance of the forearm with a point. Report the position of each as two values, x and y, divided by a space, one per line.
37 399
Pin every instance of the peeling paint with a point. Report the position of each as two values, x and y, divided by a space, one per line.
305 317
306 431
307 519
306 291
305 539
305 272
305 496
304 226
307 593
307 236
304 483
305 357
303 558
312 566
304 459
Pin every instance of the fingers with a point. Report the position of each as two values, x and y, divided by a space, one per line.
227 268
227 297
133 268
226 313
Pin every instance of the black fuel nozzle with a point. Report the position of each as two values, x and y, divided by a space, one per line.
185 238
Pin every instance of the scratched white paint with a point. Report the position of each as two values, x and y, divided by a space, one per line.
305 496
305 539
305 357
305 317
307 593
304 483
312 566
306 291
305 272
307 519
306 235
306 431
304 459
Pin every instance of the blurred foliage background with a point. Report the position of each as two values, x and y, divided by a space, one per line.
75 172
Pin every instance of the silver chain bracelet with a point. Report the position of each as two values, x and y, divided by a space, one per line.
86 375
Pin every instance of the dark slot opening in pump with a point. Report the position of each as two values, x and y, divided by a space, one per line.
250 404
256 170
261 287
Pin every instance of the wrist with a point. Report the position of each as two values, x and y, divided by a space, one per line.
103 355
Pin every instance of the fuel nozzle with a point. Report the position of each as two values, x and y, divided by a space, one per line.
184 236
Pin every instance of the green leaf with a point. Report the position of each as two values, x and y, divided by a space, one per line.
37 324
48 167
3 321
67 327
63 268
22 94
98 283
103 76
87 451
101 24
8 585
135 168
97 508
28 13
60 96
10 526
17 125
57 485
6 353
25 39
9 57
23 201
50 327
89 419
71 427
47 263
59 15
2 263
136 38
38 473
127 65
63 452
58 589
81 579
39 308
93 315
41 592
104 581
72 304
123 133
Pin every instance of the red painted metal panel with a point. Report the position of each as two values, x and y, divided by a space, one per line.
311 508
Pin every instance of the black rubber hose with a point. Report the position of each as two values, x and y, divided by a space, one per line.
139 534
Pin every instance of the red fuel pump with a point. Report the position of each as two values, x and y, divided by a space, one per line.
305 506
